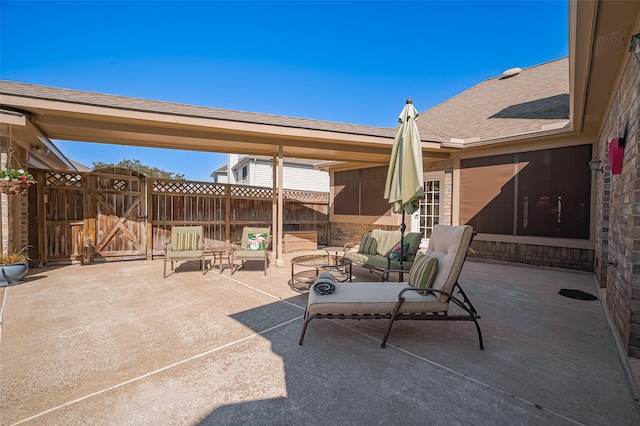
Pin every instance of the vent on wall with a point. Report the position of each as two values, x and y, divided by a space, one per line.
612 42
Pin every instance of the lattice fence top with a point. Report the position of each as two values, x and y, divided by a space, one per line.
251 192
306 197
63 179
181 187
189 188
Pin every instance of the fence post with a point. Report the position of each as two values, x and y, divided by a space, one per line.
227 213
148 213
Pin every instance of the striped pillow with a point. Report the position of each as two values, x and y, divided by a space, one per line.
368 245
187 241
423 272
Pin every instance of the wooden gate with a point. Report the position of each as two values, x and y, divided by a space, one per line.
102 211
120 214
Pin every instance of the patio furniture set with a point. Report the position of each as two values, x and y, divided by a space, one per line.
426 295
187 243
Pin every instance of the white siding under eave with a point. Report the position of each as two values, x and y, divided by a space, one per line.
295 176
260 173
305 178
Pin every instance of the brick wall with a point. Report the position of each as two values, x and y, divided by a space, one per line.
14 208
618 213
558 257
342 233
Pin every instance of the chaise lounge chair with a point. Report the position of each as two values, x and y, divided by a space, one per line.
403 300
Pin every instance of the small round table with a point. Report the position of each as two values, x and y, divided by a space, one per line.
339 266
218 253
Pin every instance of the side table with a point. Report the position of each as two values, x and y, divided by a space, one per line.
218 253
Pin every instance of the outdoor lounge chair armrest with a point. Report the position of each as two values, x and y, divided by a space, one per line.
430 290
349 246
466 306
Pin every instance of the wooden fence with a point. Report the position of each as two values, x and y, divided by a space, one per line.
117 214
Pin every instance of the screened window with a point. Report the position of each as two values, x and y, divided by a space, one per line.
538 193
361 192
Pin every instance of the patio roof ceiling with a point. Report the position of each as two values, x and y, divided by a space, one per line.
91 117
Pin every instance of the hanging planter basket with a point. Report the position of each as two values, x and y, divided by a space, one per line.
14 181
15 186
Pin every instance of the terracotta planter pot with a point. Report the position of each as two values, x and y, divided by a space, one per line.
13 273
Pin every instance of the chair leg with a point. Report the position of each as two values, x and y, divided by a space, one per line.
479 334
164 268
266 265
304 328
393 317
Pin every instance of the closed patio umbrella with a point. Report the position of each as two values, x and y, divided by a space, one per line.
405 185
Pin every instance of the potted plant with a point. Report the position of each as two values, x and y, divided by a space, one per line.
13 266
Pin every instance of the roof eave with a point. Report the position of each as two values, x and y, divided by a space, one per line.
554 129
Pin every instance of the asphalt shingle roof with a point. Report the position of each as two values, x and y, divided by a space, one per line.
145 105
500 107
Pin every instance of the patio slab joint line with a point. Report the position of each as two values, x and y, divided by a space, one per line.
488 386
154 372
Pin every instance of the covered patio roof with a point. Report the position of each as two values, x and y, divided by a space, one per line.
92 117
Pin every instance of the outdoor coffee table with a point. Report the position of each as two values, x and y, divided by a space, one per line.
339 266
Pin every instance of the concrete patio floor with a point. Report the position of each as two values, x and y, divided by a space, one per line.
116 344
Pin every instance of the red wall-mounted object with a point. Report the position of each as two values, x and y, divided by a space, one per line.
616 155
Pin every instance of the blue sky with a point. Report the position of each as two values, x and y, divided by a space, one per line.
353 62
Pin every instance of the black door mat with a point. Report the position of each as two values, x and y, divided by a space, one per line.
576 294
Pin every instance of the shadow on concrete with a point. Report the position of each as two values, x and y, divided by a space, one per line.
548 360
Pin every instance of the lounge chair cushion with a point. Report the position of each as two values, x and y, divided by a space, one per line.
368 245
449 245
372 298
386 240
423 272
414 239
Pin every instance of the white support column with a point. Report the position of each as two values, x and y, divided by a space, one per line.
275 236
280 207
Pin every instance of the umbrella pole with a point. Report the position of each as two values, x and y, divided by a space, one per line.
402 229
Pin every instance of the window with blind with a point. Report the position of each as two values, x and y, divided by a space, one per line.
360 192
537 193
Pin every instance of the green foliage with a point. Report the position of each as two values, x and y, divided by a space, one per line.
137 166
14 257
9 173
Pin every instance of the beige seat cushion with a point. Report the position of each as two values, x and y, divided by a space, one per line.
449 245
387 240
372 298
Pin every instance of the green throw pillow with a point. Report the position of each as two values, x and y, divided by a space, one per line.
423 272
257 241
368 245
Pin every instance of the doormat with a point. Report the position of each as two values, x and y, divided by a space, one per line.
576 294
